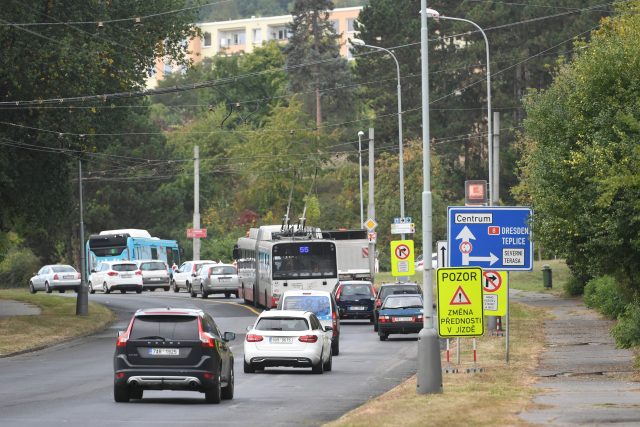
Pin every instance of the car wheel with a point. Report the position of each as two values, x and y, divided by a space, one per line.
139 291
91 290
227 295
31 288
204 294
329 364
61 291
166 289
47 287
105 288
227 392
383 336
121 393
335 346
248 368
122 291
214 394
175 287
318 368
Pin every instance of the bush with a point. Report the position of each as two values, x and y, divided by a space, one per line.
573 287
604 294
17 268
627 331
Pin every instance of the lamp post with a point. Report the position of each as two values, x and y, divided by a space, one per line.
359 42
360 135
436 15
429 375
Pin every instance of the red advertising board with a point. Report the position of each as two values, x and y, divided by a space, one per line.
194 233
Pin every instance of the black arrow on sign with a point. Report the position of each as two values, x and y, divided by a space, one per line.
492 278
443 250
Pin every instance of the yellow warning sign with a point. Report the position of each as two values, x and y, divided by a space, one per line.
402 258
460 303
496 292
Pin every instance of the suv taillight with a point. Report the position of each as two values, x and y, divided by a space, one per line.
254 338
122 339
207 340
138 273
112 273
308 338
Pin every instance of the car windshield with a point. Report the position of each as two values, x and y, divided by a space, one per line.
403 302
282 324
148 266
353 291
317 304
167 327
222 270
63 269
398 290
124 267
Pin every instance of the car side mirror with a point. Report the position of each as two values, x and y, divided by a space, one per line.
228 336
93 270
193 274
328 328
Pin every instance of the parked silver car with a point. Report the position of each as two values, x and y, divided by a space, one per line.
215 279
155 274
57 277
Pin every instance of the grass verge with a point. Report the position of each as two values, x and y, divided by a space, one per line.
57 322
490 398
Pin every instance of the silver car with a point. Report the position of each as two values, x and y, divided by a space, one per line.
57 277
215 279
155 274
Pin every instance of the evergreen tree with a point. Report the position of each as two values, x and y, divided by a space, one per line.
314 63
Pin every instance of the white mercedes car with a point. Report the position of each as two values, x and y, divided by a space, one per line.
288 338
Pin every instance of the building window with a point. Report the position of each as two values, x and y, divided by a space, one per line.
350 25
336 26
207 39
257 35
168 69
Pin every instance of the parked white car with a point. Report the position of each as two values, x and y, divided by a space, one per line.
215 279
58 277
288 338
183 276
116 275
419 263
155 274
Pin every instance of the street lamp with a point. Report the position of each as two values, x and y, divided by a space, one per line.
358 42
436 15
360 135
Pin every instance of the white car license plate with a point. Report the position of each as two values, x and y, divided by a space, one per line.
358 308
225 279
155 279
68 277
281 340
164 351
125 276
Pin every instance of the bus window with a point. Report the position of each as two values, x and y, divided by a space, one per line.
154 253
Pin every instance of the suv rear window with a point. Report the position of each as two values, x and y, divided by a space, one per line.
124 267
148 266
223 270
167 327
355 291
317 304
282 324
403 302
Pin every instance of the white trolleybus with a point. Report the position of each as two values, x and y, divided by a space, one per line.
271 261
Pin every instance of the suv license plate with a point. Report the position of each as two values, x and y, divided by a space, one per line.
281 340
68 277
357 308
164 351
125 276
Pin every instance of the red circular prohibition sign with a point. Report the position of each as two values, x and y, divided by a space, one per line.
402 251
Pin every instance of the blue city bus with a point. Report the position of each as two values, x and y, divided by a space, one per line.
130 245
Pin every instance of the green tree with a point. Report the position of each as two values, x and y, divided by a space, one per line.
581 156
314 64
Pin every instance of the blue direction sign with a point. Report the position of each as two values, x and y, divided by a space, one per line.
492 237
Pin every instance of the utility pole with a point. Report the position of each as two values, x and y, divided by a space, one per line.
196 201
495 181
371 209
82 298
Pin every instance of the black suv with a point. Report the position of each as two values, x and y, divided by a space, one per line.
355 299
387 289
173 349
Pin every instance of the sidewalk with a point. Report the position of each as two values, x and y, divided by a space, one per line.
583 378
10 308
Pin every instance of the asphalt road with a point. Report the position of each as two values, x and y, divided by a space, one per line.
71 383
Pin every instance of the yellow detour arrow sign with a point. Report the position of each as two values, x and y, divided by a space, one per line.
496 292
402 258
460 305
